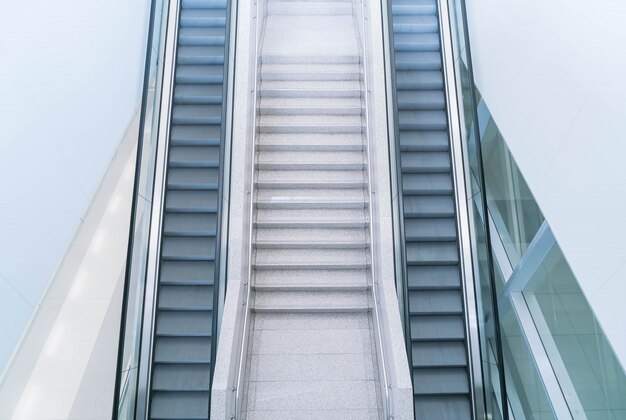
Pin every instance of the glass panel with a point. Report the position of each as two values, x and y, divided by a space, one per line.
581 356
525 391
511 204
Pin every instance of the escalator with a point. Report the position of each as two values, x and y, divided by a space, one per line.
186 320
435 317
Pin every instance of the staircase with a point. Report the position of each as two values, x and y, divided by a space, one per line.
187 290
312 352
437 343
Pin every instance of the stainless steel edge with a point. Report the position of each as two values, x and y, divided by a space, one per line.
154 243
459 169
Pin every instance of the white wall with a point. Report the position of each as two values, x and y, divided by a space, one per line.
70 80
553 74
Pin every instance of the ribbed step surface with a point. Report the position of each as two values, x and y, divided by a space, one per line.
311 353
437 345
184 336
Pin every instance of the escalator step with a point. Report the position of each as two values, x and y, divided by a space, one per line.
442 407
425 162
436 302
197 114
422 120
418 80
187 272
414 7
415 24
190 225
201 36
430 230
424 141
188 248
194 135
429 354
424 100
182 298
194 157
426 184
185 324
182 350
202 17
193 179
198 94
181 377
440 380
204 4
198 55
416 42
194 73
432 253
180 406
191 201
437 328
415 60
433 277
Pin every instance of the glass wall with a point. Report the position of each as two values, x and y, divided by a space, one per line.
543 352
584 363
511 204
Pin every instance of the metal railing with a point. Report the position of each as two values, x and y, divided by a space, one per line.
386 386
240 369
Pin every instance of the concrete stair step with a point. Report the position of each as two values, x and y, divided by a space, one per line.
305 257
309 8
293 218
311 84
302 279
318 72
303 194
305 301
310 59
314 235
330 121
312 203
296 157
266 92
313 111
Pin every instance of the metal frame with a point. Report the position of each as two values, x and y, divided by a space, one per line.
459 166
540 357
483 209
154 243
555 387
